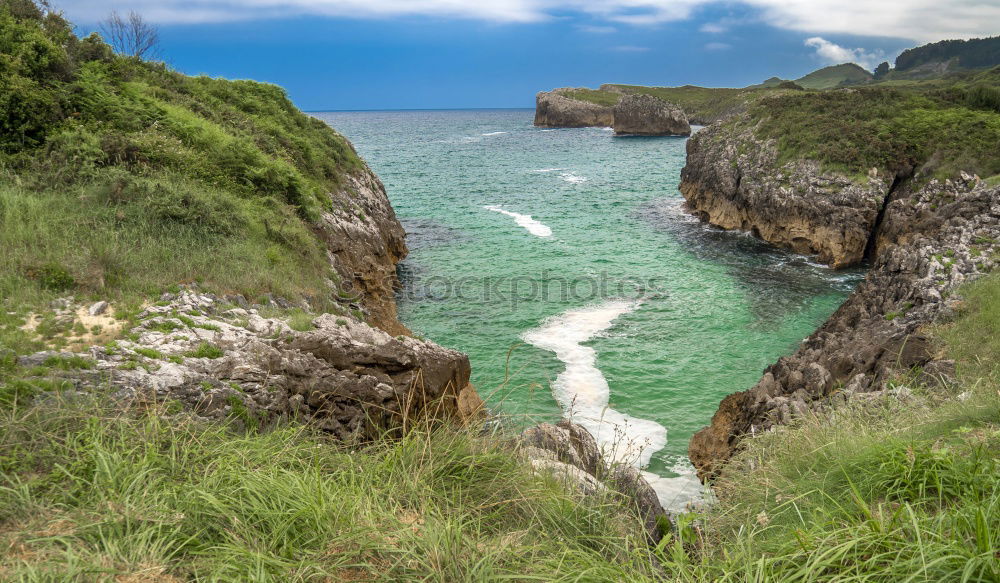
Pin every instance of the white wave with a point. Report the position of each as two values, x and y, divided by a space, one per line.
548 130
678 493
583 392
573 178
493 133
531 225
548 170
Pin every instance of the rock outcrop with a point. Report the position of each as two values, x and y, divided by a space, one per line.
734 180
645 115
924 238
569 452
365 242
555 110
221 361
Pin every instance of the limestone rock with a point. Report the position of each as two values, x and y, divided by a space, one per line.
571 453
555 110
645 115
344 376
924 238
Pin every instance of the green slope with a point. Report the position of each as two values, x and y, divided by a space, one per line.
119 178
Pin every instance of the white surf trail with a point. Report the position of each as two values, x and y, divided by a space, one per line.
534 227
583 393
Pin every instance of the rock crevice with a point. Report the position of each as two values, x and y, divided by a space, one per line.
923 238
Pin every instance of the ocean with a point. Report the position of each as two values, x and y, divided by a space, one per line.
562 262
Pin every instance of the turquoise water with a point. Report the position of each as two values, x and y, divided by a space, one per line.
608 300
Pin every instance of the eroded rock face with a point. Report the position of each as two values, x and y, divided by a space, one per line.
365 242
733 180
343 376
554 110
645 115
933 236
569 452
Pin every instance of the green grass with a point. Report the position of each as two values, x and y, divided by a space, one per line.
898 491
87 494
835 76
606 98
205 180
206 350
941 129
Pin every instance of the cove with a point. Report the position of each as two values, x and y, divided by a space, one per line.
563 263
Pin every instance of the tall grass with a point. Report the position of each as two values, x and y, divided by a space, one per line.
88 494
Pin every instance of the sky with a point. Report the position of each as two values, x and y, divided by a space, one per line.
440 54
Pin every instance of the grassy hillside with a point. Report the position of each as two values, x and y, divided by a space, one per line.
945 127
976 53
835 76
702 104
120 178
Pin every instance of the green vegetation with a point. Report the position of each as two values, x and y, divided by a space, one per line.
942 127
977 53
894 490
94 495
835 76
607 98
211 181
702 104
891 491
206 350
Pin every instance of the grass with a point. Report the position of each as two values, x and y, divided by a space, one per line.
892 491
943 128
211 181
206 350
90 494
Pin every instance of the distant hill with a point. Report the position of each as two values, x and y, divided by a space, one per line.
835 76
950 55
842 75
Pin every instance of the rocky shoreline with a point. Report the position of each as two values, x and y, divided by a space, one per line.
923 237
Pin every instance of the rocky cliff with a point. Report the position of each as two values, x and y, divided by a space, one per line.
734 180
630 114
364 243
645 115
924 237
553 109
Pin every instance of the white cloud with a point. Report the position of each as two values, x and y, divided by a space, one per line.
718 46
920 20
713 28
834 54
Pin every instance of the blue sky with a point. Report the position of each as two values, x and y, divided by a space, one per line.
398 54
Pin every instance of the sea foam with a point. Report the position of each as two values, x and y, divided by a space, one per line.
573 178
583 392
531 225
493 133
